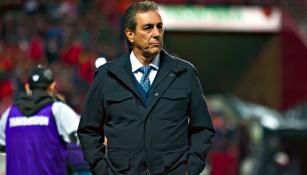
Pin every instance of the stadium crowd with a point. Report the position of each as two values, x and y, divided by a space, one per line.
67 36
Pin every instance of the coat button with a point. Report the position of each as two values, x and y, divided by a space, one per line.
156 94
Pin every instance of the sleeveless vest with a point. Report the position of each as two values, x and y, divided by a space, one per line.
33 144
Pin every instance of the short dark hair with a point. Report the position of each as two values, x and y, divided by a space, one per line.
129 16
40 78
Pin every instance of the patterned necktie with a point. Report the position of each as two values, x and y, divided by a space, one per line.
145 83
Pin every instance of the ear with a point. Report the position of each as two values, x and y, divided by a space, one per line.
130 35
52 87
27 87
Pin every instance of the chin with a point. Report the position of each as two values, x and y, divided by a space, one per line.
155 50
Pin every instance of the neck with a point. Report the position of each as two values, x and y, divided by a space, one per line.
144 58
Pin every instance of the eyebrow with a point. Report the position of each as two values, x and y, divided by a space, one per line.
151 25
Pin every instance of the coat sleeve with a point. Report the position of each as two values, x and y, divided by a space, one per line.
201 131
90 130
67 121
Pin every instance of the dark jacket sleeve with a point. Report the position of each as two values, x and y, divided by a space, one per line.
201 131
90 130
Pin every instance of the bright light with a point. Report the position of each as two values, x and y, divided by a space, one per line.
269 122
100 61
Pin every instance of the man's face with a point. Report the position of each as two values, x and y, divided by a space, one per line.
147 39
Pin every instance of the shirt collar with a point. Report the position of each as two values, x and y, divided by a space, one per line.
136 64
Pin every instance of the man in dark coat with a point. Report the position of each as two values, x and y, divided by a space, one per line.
149 105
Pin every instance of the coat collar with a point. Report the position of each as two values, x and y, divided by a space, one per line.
121 68
122 64
168 70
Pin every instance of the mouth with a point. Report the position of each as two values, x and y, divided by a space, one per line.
155 44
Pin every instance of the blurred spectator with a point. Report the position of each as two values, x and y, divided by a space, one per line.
72 54
36 49
6 88
224 155
283 165
6 91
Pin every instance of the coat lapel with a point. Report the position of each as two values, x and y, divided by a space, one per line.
168 72
121 69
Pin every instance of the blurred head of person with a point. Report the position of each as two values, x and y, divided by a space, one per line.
40 78
39 91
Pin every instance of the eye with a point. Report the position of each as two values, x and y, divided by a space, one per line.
160 26
148 27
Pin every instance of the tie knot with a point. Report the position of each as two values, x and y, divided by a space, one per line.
145 69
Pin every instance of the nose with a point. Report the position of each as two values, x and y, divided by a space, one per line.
156 32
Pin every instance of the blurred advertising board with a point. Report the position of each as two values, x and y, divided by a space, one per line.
221 18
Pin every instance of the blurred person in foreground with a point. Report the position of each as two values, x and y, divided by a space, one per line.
33 131
156 122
